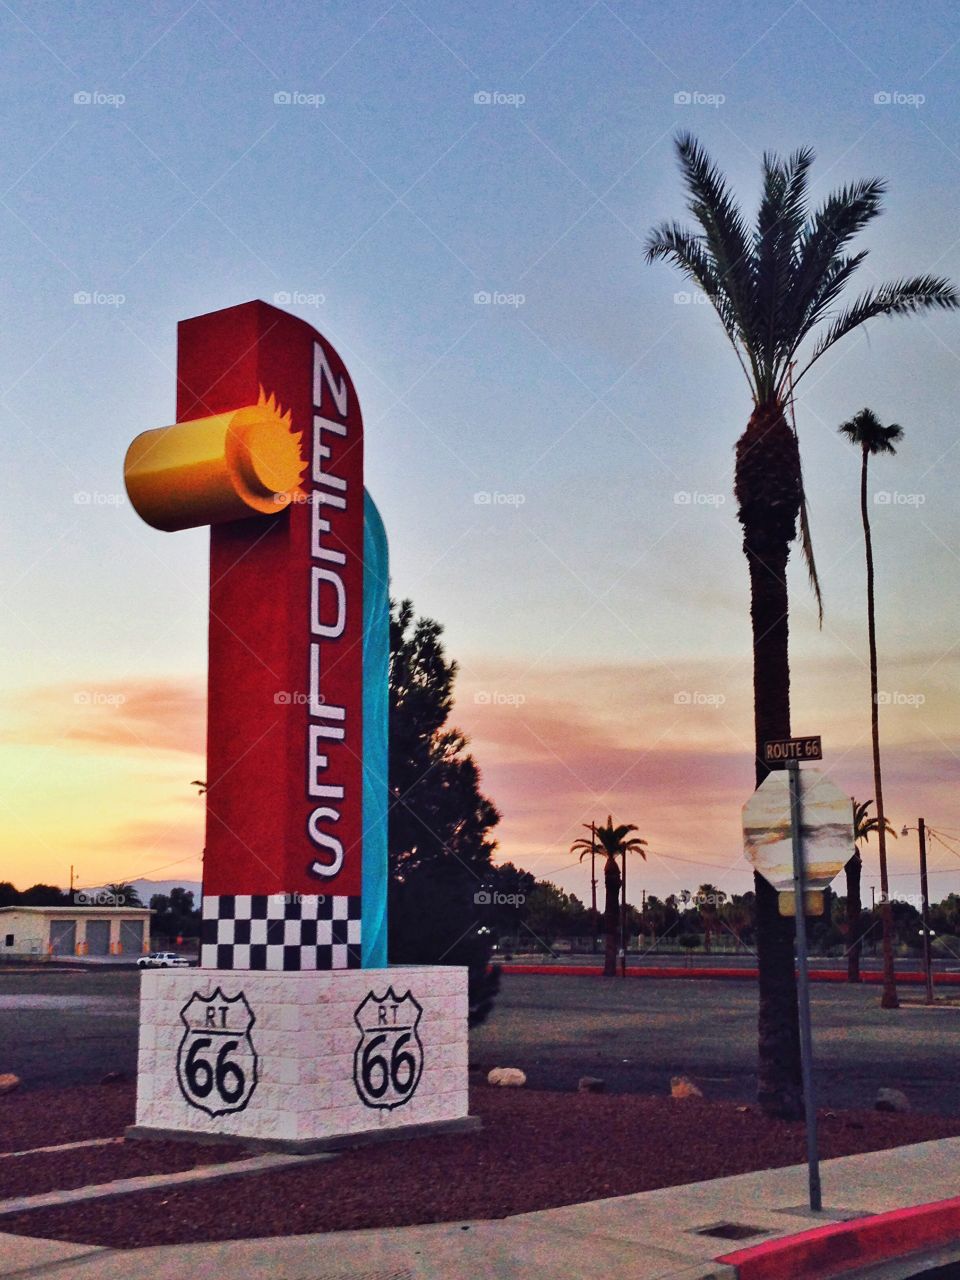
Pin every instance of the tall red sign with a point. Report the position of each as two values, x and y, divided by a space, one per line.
282 864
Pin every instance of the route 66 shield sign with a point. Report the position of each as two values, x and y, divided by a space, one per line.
388 1060
216 1061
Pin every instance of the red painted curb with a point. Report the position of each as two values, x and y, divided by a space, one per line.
816 975
844 1246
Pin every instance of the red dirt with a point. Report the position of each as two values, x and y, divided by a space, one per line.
46 1117
535 1151
58 1171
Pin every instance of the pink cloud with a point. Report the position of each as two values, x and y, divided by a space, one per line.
671 750
153 715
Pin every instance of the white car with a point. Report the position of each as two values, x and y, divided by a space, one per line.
163 960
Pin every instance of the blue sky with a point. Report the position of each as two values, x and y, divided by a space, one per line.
583 595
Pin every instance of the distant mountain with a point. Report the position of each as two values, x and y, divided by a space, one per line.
147 888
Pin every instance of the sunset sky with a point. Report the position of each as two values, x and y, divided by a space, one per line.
554 466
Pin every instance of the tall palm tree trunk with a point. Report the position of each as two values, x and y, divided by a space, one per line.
889 998
611 916
767 488
854 912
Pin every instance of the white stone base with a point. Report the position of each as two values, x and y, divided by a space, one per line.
303 1070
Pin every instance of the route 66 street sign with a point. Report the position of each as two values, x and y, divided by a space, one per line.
388 1060
216 1061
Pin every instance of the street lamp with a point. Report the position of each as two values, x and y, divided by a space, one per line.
921 831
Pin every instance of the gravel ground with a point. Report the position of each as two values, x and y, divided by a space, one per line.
535 1151
59 1171
46 1117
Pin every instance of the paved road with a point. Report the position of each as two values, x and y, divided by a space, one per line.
739 960
70 1027
637 1033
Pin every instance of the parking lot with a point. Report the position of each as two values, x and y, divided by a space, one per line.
64 1028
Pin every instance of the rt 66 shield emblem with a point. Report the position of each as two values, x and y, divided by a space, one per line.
216 1061
388 1060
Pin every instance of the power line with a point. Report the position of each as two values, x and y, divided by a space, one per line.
165 867
698 862
939 835
946 846
942 871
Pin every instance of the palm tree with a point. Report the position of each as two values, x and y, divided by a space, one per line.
777 290
614 842
737 915
709 899
125 894
867 432
863 824
658 916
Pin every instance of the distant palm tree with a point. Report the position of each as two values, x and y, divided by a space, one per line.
614 842
863 825
871 437
658 916
776 287
709 900
737 915
126 894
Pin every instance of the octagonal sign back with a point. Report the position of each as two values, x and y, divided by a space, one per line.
826 827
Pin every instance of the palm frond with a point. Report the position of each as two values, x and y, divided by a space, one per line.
724 229
806 537
900 298
671 242
674 243
780 221
843 215
864 826
806 547
818 305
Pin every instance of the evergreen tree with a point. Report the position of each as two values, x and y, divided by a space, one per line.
44 895
439 821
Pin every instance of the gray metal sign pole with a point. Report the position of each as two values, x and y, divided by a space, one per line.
803 989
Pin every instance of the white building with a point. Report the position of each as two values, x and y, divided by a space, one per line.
74 931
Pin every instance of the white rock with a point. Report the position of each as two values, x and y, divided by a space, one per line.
507 1077
891 1100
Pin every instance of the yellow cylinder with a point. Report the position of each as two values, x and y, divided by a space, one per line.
230 466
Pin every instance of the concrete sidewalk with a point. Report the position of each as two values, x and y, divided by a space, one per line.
648 1236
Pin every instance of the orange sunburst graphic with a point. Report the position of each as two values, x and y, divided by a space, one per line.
230 466
274 463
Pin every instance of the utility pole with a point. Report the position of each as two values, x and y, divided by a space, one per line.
71 880
623 918
593 880
925 911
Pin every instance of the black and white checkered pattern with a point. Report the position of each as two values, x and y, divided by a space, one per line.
280 931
